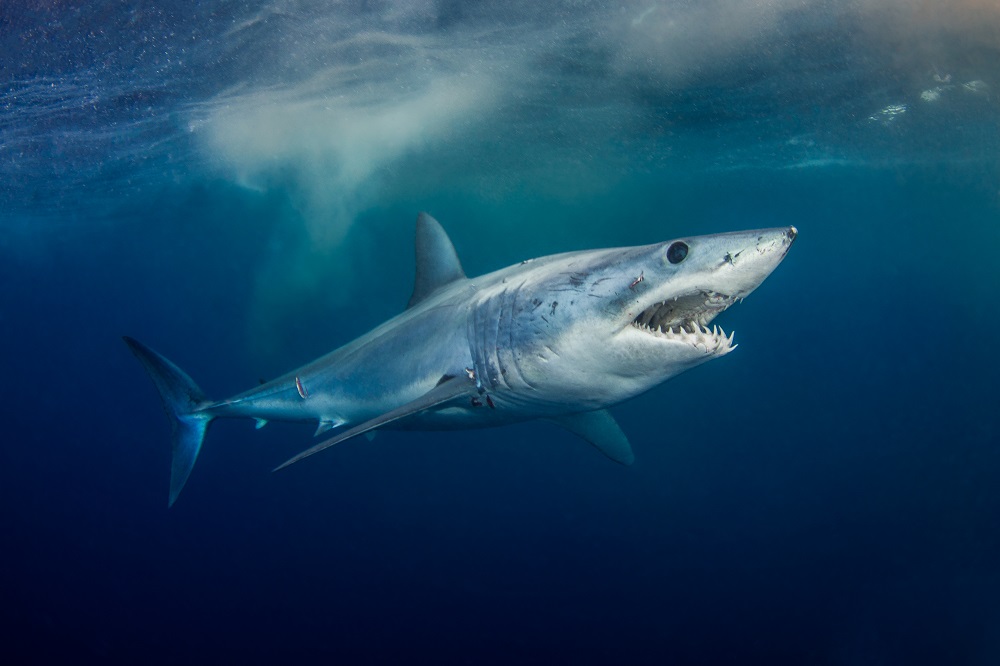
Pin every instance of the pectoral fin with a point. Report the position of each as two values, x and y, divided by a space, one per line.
446 390
600 429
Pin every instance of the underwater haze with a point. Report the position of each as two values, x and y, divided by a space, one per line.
235 183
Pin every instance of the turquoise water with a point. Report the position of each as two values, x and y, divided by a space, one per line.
236 184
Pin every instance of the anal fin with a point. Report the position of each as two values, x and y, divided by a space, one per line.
602 431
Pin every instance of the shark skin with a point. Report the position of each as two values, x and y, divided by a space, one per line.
560 338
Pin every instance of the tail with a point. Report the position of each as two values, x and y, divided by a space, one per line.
181 398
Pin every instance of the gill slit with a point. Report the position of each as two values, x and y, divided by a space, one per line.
510 342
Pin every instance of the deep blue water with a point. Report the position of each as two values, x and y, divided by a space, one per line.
235 184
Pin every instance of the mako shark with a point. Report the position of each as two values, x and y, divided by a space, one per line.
560 338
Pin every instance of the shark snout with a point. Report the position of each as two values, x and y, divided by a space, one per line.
734 264
751 266
750 248
786 238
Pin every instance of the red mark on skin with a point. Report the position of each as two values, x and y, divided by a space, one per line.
489 401
301 389
636 281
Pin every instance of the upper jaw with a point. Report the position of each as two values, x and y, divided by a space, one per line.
685 319
700 306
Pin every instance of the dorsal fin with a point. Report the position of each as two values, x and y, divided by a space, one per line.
437 262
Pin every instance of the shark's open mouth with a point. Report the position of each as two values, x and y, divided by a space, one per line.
686 318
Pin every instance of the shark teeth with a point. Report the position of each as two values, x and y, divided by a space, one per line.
683 318
696 334
681 310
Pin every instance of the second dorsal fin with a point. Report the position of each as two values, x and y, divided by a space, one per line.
437 262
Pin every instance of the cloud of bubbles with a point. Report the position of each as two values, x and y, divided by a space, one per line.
353 103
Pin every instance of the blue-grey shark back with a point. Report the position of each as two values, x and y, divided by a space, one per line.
560 338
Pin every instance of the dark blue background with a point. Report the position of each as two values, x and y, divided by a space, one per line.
826 494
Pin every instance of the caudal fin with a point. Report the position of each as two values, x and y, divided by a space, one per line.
181 398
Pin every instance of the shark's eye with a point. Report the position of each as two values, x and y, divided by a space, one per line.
676 252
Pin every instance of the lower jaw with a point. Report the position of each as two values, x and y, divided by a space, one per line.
707 340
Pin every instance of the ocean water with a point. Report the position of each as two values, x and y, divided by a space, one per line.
235 184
